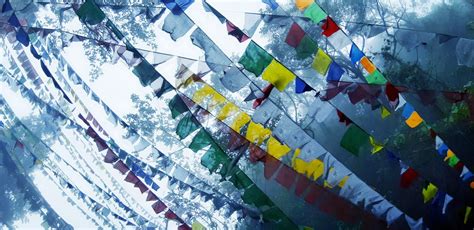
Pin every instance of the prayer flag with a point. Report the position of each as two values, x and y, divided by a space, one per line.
177 106
295 35
187 125
177 25
278 75
314 12
272 3
301 86
256 133
329 27
376 78
177 6
429 192
367 64
306 48
321 62
355 54
354 138
236 32
201 140
303 4
414 120
277 149
335 72
90 13
255 59
145 73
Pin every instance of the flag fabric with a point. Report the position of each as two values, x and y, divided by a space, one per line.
177 106
295 35
236 32
314 12
367 64
177 25
335 72
376 78
303 4
177 6
271 3
187 125
255 59
278 75
90 13
321 62
354 139
306 47
200 140
355 54
329 27
301 86
276 148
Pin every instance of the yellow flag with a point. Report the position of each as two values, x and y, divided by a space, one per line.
429 192
216 100
449 154
240 121
313 169
277 149
414 120
207 91
376 147
303 4
197 226
256 133
202 93
295 155
466 215
278 75
227 111
385 113
343 181
321 62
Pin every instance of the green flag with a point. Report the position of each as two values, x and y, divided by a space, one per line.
255 59
187 125
146 73
253 195
240 180
306 48
213 158
90 13
315 13
177 106
201 140
354 139
376 78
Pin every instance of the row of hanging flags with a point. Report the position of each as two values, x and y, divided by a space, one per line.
138 145
240 125
270 212
158 205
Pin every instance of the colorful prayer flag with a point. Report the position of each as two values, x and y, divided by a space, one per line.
255 59
314 12
321 62
354 138
278 75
